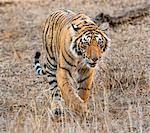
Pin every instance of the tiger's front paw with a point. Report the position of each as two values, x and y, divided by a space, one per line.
80 108
83 108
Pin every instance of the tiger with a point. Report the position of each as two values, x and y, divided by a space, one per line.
73 44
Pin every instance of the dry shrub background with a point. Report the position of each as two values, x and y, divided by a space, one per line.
120 97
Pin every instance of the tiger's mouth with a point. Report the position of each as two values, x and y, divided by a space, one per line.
90 64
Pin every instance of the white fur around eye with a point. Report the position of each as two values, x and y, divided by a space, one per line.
74 26
85 39
99 38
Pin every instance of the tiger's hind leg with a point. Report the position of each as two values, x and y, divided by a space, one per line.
54 91
50 71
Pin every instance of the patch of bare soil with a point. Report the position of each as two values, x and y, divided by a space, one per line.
120 97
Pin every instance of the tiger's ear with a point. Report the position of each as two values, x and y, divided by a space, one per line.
75 27
105 28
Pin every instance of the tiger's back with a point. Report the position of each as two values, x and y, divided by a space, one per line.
54 25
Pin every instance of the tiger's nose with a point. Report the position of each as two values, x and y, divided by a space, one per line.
95 59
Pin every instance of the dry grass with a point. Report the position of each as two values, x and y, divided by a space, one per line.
119 100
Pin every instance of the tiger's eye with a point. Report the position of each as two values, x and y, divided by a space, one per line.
86 43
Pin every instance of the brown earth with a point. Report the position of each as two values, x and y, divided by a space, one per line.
120 97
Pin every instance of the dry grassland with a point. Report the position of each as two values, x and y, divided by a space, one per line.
120 97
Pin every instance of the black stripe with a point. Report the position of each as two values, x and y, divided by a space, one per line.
51 63
55 15
51 47
89 28
82 80
69 54
78 52
50 74
84 31
57 21
38 67
56 94
43 72
104 48
36 61
75 45
77 17
75 28
81 88
53 87
52 25
53 81
50 68
54 20
45 65
52 58
66 70
38 72
89 25
67 61
105 45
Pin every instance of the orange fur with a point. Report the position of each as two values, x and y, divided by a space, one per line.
73 43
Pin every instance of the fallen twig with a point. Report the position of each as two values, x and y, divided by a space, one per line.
127 17
4 3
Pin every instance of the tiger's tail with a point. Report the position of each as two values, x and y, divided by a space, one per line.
37 66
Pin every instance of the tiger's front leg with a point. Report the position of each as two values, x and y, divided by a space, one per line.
69 94
85 82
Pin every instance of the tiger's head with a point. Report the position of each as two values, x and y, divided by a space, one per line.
88 42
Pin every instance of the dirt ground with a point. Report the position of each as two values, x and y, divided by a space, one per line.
120 97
